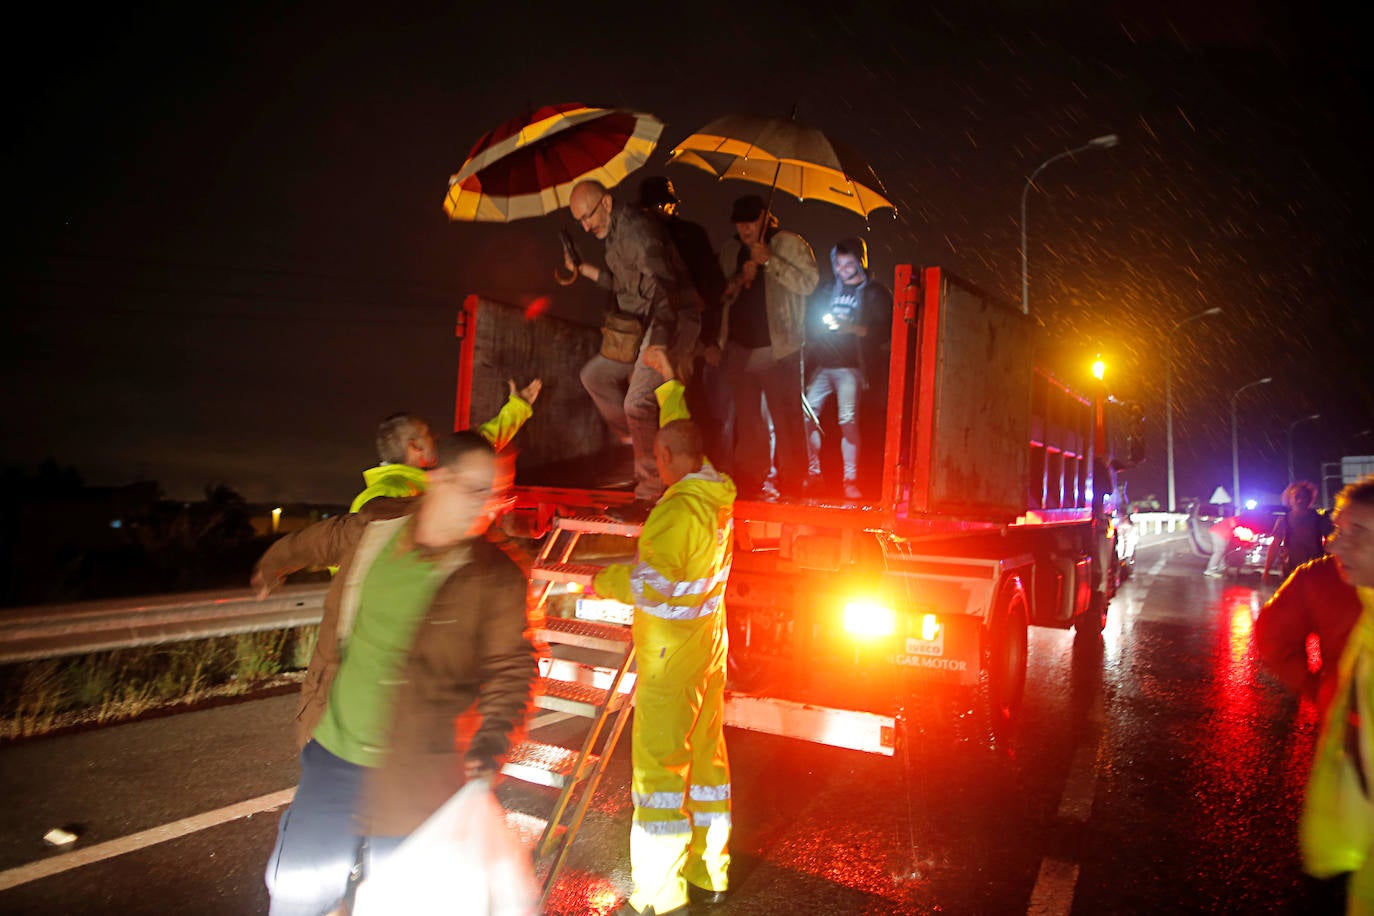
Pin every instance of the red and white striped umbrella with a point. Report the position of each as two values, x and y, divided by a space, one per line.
528 165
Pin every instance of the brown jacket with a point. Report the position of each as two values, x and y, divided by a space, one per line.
471 660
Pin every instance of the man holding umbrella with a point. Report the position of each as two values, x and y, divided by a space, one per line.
770 273
651 282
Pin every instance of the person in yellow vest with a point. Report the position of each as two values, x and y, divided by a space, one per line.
1337 825
679 838
405 445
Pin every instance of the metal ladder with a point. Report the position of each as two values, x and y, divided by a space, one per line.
576 688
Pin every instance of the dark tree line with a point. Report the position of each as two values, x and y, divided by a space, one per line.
63 540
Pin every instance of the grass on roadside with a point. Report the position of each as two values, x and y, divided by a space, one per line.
39 696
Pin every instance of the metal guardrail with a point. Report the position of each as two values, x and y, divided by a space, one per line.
1153 523
51 631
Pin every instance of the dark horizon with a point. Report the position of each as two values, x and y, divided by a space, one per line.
234 260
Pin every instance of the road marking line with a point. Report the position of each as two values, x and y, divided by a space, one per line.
46 868
1058 880
1076 804
1054 887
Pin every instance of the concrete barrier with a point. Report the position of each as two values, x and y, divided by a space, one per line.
1153 524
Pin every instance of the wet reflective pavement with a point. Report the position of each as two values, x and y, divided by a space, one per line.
1155 771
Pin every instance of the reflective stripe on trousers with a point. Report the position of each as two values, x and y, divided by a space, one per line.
681 783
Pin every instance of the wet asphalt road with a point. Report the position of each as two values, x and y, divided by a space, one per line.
1158 771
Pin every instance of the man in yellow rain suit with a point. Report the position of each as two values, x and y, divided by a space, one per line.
405 446
679 840
1337 826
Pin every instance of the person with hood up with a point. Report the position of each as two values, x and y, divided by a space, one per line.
679 836
848 331
763 326
405 445
1300 534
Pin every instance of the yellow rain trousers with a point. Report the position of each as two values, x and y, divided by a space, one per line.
681 783
1337 825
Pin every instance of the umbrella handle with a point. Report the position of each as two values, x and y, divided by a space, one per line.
572 277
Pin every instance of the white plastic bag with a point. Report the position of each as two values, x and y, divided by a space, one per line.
463 861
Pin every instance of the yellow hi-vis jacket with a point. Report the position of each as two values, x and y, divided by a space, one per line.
404 480
680 832
687 542
1337 825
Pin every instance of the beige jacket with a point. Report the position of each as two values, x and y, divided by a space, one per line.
790 276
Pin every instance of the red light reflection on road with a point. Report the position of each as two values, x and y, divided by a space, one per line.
1236 735
578 892
858 860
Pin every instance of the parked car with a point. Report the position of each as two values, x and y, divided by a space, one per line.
1250 539
1250 542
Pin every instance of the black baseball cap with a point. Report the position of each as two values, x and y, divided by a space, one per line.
747 209
656 191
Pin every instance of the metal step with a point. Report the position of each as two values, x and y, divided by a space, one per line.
606 637
543 764
527 827
579 699
581 573
598 524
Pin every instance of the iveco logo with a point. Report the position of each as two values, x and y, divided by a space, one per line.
934 646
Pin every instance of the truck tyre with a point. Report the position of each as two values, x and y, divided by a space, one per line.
1003 679
1094 620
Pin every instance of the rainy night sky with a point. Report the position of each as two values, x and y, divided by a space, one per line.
232 261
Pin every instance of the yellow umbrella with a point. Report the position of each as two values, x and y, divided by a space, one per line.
787 156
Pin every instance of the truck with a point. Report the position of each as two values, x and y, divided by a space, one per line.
997 510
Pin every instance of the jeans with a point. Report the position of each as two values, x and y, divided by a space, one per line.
844 384
624 395
317 843
766 388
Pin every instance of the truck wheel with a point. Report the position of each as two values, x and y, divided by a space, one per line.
1094 620
1003 680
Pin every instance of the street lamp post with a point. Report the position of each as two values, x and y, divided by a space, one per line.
1169 398
1107 141
1291 475
1235 442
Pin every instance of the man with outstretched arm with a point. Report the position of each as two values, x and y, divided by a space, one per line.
405 445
